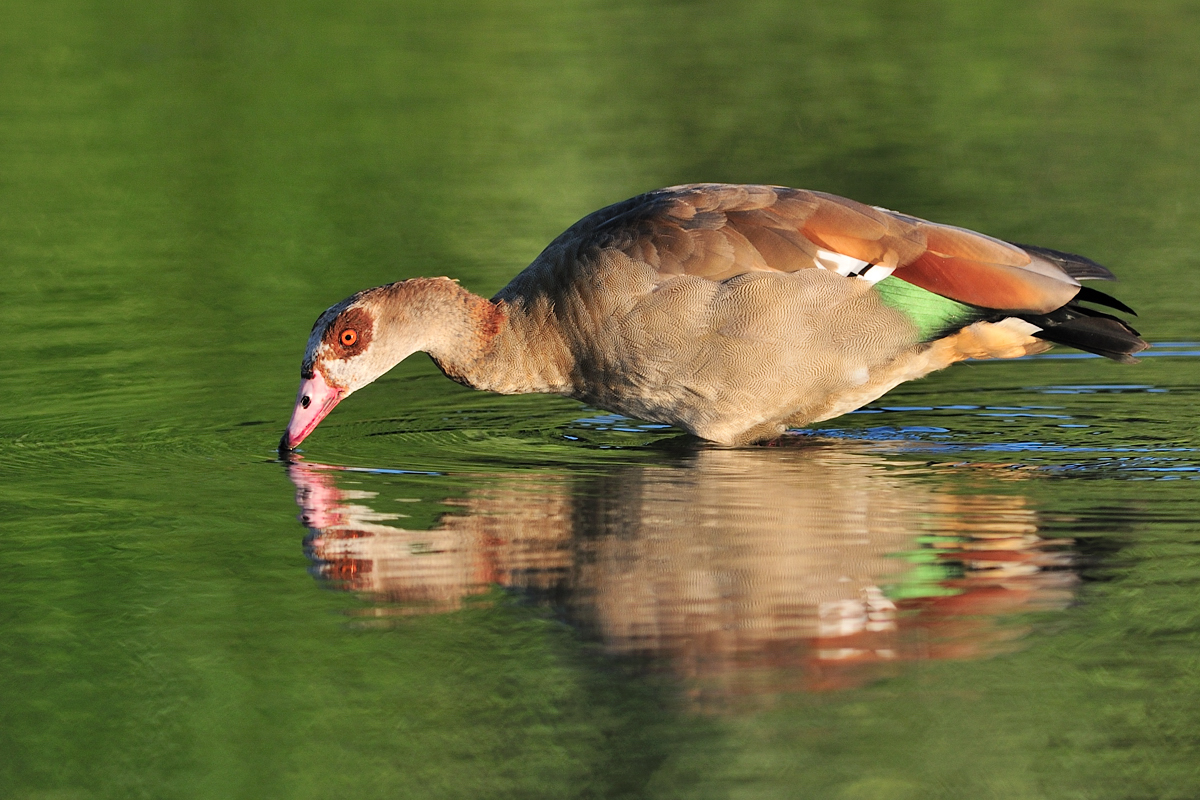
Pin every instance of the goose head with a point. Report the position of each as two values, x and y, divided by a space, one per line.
357 340
352 344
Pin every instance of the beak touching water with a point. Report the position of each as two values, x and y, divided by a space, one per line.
315 399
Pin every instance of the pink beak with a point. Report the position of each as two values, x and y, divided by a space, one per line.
315 399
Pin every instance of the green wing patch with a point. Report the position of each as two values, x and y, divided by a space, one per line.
935 316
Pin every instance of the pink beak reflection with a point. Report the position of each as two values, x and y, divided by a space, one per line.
315 399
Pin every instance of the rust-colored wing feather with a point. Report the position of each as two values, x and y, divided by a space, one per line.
718 231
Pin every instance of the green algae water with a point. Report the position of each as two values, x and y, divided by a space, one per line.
983 585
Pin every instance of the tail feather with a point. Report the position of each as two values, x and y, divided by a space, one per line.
1076 325
1090 330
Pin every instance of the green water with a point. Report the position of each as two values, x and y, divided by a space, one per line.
984 586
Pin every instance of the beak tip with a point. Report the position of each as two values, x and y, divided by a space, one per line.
314 401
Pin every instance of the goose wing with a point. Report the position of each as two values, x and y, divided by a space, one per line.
719 231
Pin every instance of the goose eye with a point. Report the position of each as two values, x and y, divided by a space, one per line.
349 337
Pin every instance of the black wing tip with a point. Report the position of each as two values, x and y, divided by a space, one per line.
1078 267
1083 328
1087 294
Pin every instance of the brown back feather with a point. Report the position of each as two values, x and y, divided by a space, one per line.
719 231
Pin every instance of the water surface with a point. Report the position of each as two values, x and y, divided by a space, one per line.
982 585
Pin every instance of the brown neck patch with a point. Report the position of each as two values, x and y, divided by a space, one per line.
488 319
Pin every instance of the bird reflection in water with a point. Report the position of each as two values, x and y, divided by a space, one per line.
749 571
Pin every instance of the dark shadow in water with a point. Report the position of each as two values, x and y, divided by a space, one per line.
741 571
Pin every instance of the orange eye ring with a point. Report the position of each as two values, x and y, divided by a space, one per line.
348 337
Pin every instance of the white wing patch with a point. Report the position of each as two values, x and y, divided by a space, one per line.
851 267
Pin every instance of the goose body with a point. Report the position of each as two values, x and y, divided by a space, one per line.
733 312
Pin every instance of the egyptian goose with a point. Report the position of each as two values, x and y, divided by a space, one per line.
733 312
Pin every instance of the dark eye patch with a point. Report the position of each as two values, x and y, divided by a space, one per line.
350 332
